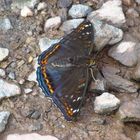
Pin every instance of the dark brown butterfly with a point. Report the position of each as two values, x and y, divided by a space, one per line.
64 71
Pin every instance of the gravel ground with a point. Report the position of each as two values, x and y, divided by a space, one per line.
29 110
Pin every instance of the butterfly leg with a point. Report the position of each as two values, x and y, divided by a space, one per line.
92 74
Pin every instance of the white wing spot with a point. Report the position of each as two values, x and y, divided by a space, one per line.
74 100
87 25
79 98
71 96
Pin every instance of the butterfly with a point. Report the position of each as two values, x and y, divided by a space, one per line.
64 70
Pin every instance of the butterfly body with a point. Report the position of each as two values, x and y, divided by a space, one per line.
63 73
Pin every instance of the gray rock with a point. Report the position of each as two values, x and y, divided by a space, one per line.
138 136
105 34
45 43
71 24
64 3
106 103
21 3
36 126
5 24
4 52
125 53
12 75
108 13
138 1
130 111
79 10
8 89
52 23
136 72
4 115
2 73
118 83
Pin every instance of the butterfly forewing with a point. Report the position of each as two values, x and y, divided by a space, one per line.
60 77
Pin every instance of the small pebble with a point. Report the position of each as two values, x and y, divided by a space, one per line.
21 81
26 11
52 23
12 75
4 116
4 52
8 89
36 126
30 59
79 10
5 24
42 6
138 136
127 2
2 73
28 90
131 12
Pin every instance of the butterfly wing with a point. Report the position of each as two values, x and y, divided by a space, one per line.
66 85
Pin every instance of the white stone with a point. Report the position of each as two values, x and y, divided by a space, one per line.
2 73
111 11
12 75
32 76
4 115
4 52
52 23
106 103
31 136
45 43
41 6
28 90
26 11
8 89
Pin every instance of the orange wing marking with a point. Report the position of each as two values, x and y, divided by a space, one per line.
81 27
68 109
43 68
45 59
